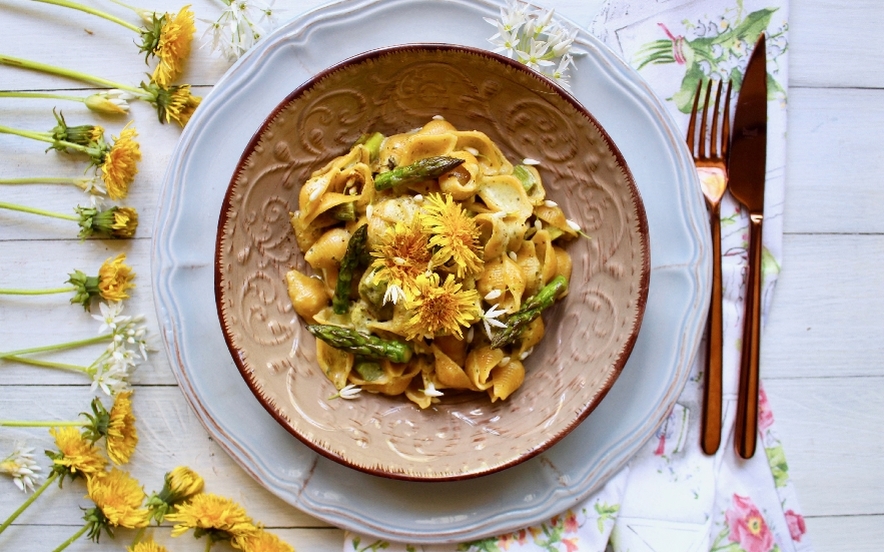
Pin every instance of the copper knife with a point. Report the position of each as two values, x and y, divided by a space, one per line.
747 165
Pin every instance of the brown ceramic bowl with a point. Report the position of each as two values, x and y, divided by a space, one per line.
590 333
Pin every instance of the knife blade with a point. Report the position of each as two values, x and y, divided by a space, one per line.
747 166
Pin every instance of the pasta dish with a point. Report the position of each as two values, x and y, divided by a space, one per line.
432 257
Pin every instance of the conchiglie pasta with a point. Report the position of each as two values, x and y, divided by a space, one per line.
504 277
506 379
308 295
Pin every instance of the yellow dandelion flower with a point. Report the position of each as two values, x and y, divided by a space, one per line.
402 255
440 308
118 496
121 436
454 235
262 541
146 546
115 278
179 485
121 163
125 222
174 44
76 456
219 517
181 105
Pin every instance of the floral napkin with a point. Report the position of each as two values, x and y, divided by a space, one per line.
671 496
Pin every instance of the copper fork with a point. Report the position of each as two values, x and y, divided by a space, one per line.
712 170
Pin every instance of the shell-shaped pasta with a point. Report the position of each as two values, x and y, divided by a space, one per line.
462 182
438 126
393 378
341 181
308 295
563 263
504 193
506 379
415 394
526 258
546 255
491 159
335 364
455 348
494 234
306 234
554 216
537 193
405 149
480 362
328 250
530 337
450 374
503 275
387 212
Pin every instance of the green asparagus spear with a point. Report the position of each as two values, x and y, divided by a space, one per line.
366 345
344 211
349 264
430 167
532 308
525 177
372 142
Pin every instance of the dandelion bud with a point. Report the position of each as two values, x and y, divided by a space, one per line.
89 136
102 103
115 222
180 485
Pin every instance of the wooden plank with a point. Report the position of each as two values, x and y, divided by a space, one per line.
834 161
825 317
840 533
836 44
830 429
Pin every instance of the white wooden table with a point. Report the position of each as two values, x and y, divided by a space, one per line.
823 353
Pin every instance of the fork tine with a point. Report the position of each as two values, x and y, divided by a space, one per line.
692 123
702 138
726 123
713 138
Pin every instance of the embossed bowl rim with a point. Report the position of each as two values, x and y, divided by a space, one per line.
641 292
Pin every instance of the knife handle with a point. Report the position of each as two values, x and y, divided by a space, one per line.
710 430
746 430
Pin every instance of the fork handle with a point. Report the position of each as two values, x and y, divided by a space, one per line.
746 430
710 431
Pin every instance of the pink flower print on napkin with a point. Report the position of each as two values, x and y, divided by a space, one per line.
796 525
747 526
765 414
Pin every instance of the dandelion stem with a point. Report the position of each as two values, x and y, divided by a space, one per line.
43 423
36 211
138 536
74 537
36 291
45 95
58 346
28 501
62 72
93 11
42 137
42 179
46 364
